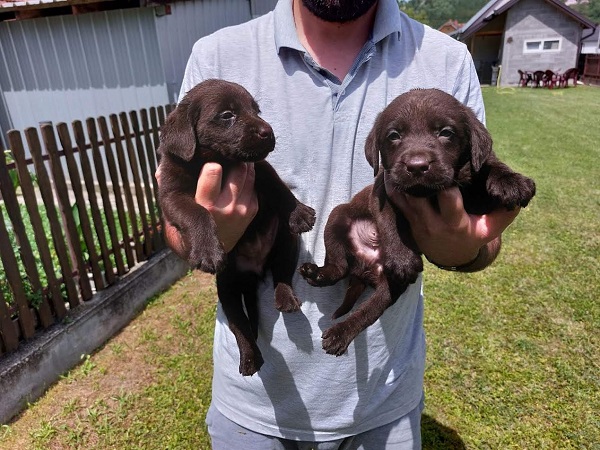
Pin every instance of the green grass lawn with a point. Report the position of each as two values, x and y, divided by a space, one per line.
513 352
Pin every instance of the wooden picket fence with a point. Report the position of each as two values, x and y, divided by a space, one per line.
89 200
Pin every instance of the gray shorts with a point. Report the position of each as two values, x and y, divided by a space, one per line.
402 434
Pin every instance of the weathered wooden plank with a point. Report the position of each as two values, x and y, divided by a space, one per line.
13 209
147 182
152 142
41 241
88 179
8 331
118 195
62 193
77 188
43 180
124 170
137 181
150 145
106 202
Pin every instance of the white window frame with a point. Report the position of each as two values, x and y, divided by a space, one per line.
541 48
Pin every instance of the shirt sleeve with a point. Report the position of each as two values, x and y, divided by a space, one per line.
467 88
193 73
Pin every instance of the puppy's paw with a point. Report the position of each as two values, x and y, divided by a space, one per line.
511 189
302 219
251 364
309 271
285 300
336 339
315 275
209 258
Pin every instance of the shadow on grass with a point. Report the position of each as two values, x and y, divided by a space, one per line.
436 436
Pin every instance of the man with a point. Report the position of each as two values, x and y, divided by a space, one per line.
321 70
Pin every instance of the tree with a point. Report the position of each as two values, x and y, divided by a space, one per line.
436 12
589 8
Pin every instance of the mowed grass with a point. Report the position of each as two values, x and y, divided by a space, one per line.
513 351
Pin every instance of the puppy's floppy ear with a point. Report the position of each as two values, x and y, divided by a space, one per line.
371 151
481 142
179 131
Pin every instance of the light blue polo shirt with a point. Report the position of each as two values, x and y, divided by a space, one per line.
320 124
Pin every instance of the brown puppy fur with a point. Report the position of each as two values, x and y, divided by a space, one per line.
425 141
219 121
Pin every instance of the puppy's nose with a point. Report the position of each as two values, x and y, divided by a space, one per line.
264 132
417 165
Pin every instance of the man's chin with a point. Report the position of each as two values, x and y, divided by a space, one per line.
338 11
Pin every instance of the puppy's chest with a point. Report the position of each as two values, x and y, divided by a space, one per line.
253 249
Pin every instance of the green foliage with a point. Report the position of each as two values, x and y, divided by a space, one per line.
436 12
12 173
34 297
589 8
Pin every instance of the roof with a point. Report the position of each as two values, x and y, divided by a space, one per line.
495 8
451 23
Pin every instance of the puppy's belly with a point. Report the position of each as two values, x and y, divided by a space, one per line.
253 249
365 248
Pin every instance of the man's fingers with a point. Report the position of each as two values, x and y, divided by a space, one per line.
493 224
247 194
415 209
450 203
240 182
209 184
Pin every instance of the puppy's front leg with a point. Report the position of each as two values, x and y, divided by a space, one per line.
198 232
509 188
300 217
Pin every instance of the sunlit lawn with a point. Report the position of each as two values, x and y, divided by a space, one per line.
512 351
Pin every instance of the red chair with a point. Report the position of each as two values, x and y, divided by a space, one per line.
524 78
570 74
550 79
538 78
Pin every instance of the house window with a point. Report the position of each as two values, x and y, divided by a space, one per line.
541 45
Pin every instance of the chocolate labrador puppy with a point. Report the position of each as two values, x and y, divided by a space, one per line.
425 141
219 121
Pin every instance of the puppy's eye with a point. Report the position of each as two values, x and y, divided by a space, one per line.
226 115
446 132
393 135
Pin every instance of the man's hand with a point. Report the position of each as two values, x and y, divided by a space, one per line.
232 204
447 235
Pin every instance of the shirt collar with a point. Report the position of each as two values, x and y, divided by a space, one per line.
387 22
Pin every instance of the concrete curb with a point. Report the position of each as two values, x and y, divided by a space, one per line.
36 365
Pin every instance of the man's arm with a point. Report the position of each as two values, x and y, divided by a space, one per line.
232 204
451 238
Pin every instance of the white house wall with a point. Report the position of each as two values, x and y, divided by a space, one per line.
531 20
63 68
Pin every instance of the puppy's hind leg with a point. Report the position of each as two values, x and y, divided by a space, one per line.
338 337
336 244
283 267
355 289
230 297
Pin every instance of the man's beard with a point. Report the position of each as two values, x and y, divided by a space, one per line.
338 10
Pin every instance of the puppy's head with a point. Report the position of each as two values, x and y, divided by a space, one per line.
424 139
217 121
